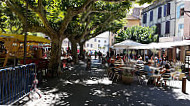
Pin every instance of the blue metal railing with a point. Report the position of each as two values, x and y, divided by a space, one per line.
16 83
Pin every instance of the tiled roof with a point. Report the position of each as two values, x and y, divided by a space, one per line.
132 17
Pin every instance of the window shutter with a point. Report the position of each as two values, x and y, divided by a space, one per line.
168 8
159 12
167 30
165 8
144 18
151 16
158 29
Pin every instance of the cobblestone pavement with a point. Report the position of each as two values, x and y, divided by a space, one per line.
92 88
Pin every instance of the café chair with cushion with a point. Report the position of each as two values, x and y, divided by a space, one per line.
142 77
117 75
166 77
110 72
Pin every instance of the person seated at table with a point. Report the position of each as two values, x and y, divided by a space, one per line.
164 61
124 58
149 73
117 56
120 61
139 61
114 69
147 68
166 70
112 61
111 65
165 73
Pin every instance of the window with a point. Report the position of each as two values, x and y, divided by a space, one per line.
95 40
91 45
151 16
87 45
158 29
98 40
105 41
144 18
181 12
159 12
167 30
165 8
168 9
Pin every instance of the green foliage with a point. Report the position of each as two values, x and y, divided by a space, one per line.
104 16
9 23
139 34
51 14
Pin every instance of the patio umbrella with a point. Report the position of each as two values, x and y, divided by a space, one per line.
178 43
126 44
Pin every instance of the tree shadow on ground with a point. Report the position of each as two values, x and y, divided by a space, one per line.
93 88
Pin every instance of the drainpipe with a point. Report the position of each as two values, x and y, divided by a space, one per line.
175 17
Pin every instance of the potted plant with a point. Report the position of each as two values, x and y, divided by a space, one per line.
127 78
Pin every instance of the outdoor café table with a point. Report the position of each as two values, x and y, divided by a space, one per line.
156 75
139 65
154 68
119 64
127 69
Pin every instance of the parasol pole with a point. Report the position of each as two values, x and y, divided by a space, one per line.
25 36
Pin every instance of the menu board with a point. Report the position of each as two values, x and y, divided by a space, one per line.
187 59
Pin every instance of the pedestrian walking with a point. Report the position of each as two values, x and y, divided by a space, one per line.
100 55
95 53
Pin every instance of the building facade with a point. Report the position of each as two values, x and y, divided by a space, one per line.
135 18
172 19
99 43
169 17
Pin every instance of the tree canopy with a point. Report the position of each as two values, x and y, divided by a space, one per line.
139 34
61 19
9 22
104 17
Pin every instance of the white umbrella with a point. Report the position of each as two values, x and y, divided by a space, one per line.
179 43
126 44
158 46
143 46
